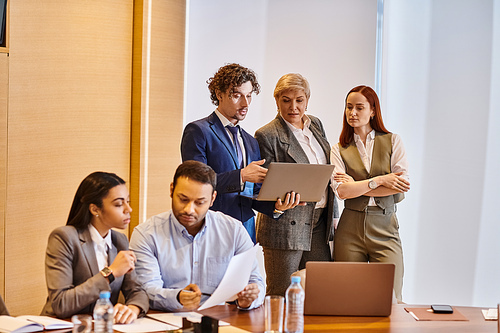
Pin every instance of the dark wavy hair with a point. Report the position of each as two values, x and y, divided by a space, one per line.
92 190
231 76
196 171
347 134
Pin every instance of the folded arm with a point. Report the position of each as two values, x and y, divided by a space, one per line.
387 185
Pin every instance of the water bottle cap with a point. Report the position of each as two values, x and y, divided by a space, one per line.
104 294
295 279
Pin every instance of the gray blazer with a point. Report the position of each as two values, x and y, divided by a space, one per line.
293 230
73 277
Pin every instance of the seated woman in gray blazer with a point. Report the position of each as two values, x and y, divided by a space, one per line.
76 262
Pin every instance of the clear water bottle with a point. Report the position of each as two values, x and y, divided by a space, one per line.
294 319
103 314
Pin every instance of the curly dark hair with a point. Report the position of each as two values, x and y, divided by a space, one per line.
229 77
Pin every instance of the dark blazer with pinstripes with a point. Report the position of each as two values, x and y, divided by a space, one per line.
293 230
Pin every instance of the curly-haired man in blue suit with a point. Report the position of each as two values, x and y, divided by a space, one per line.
234 154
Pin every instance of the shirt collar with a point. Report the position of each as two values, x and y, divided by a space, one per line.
225 122
369 137
305 118
183 231
98 239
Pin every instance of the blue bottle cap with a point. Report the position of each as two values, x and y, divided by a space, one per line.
104 294
296 279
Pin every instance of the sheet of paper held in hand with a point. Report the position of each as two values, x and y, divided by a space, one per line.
235 279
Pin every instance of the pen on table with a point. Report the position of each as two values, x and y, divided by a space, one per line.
190 291
413 315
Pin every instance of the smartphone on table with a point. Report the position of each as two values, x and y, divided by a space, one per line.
441 308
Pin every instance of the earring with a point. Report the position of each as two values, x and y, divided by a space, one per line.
96 215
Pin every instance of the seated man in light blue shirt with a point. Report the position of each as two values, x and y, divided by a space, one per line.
184 253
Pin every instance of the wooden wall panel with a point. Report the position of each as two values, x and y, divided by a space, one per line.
4 85
166 100
157 103
69 115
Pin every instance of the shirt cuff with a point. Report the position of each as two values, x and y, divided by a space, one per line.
277 213
244 309
242 184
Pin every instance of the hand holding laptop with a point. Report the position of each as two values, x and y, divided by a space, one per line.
291 200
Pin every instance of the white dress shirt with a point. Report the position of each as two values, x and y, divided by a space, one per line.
225 122
311 147
398 158
101 246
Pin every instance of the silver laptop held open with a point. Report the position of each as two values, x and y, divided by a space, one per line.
309 180
349 288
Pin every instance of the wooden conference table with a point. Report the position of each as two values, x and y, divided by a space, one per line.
399 321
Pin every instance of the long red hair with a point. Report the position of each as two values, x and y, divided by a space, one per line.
347 134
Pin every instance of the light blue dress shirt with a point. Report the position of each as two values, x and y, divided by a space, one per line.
169 258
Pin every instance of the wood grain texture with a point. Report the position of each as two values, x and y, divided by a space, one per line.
157 115
4 86
69 115
166 100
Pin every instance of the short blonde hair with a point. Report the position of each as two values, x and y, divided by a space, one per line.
291 81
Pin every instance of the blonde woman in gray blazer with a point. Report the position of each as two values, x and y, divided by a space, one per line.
76 262
303 233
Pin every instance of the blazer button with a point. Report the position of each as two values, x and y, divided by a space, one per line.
292 223
377 201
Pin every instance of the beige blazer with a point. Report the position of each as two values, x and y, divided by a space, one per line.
73 277
293 230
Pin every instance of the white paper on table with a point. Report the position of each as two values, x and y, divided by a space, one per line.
235 279
175 318
144 325
490 314
48 323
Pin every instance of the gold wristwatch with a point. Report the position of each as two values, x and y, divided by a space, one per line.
108 273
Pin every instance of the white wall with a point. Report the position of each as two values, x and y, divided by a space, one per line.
441 93
330 42
487 275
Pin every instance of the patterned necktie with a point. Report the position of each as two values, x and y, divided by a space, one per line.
234 130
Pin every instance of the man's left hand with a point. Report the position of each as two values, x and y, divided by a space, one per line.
248 295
